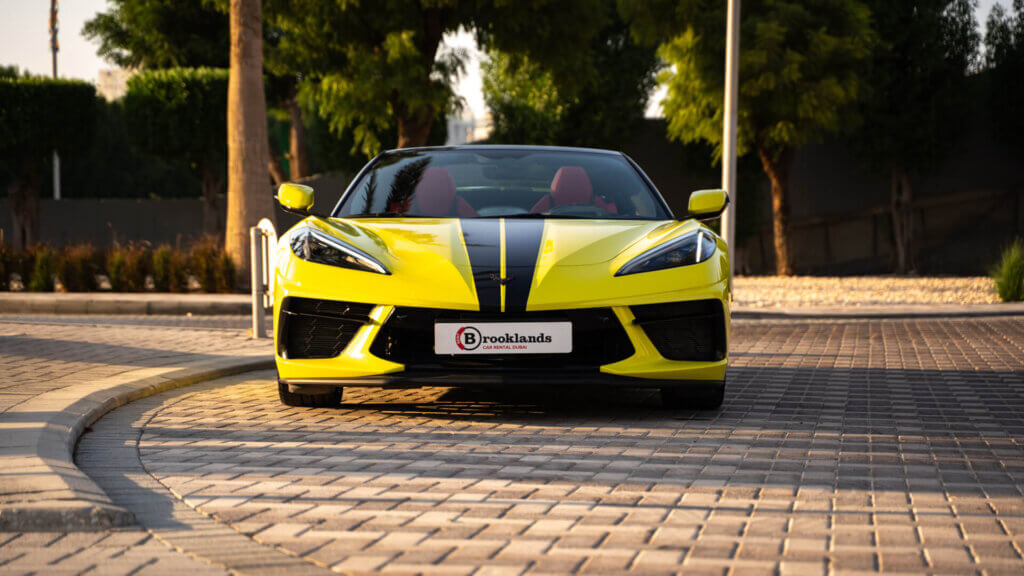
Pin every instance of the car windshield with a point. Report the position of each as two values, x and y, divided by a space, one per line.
502 182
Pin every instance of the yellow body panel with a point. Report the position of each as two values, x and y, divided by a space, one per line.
430 268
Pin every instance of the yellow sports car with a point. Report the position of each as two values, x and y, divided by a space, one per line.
477 265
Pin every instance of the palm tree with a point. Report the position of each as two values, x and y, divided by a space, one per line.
249 191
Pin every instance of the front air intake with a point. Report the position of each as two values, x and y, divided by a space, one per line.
692 331
311 328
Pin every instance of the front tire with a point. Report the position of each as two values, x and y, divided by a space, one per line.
330 399
702 396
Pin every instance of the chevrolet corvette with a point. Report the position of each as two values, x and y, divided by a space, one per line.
501 265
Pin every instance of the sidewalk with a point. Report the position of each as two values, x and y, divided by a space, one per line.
145 304
124 303
59 379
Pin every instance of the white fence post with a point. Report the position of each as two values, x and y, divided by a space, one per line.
256 262
262 248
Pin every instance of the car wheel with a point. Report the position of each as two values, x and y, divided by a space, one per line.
703 396
330 399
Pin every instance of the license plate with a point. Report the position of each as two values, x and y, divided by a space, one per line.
503 338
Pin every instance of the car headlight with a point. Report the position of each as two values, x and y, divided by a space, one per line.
692 248
313 245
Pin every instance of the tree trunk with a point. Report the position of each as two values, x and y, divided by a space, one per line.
777 169
414 129
414 126
277 174
298 159
249 193
210 181
23 196
901 196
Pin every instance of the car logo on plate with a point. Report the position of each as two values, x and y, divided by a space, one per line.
468 338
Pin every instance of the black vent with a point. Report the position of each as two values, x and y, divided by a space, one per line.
597 338
319 328
685 330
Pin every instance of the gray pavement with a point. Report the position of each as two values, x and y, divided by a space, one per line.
843 447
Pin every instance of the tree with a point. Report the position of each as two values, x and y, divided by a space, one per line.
529 104
38 116
800 74
178 114
161 34
156 34
374 66
1004 59
249 194
523 100
918 90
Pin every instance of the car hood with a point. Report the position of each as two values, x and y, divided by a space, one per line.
540 242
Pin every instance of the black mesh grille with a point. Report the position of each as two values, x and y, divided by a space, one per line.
319 328
597 338
685 330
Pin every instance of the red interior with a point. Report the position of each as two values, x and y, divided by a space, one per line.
571 185
435 196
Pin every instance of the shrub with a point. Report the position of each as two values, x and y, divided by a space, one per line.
127 267
43 269
78 266
225 273
5 265
1009 273
162 268
178 272
212 266
170 270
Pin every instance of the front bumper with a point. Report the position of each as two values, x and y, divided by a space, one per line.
644 366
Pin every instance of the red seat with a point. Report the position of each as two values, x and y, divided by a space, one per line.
435 196
571 185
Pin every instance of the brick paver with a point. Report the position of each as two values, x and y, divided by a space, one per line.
843 447
45 354
40 354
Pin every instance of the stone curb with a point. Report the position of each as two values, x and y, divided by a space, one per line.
239 304
41 488
133 304
878 312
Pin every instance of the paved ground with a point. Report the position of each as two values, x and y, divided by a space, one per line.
754 292
43 354
843 447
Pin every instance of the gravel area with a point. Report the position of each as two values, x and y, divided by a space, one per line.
794 291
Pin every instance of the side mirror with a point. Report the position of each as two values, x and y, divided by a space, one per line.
708 204
295 198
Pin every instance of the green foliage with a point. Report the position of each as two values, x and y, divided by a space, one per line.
161 33
915 104
1009 273
800 72
170 270
114 167
530 105
212 266
1004 57
524 103
178 114
373 67
39 115
43 269
127 267
78 266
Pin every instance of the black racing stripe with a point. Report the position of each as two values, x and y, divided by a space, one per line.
522 249
483 244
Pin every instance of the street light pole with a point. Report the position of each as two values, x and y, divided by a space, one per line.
54 48
732 75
